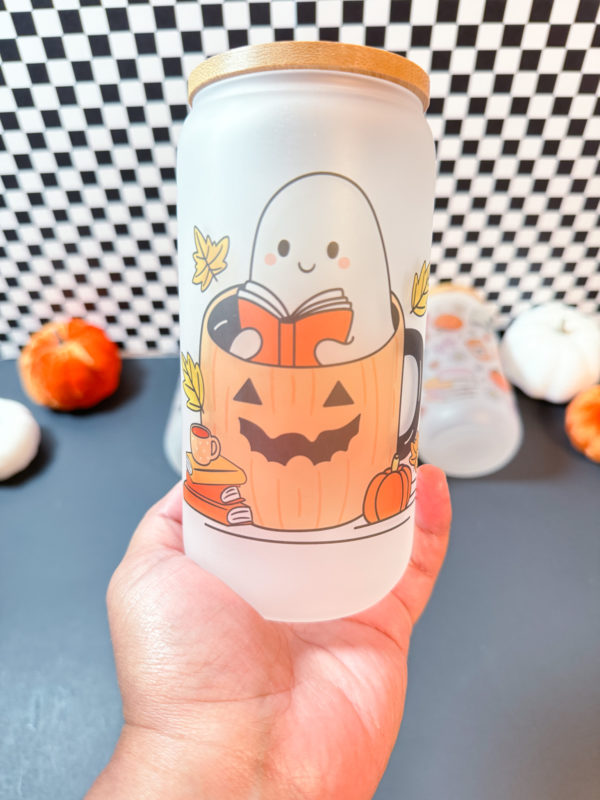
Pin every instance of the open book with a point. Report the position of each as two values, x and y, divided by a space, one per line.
289 338
323 301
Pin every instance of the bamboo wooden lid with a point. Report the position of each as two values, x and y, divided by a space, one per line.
312 55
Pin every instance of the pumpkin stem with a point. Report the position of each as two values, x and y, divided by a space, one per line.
395 462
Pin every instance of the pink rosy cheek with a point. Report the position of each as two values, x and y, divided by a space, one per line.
344 263
270 259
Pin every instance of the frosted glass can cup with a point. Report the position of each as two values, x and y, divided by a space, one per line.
470 423
305 179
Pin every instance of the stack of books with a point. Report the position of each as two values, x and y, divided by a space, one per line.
213 490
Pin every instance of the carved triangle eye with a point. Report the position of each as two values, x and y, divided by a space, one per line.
338 397
248 394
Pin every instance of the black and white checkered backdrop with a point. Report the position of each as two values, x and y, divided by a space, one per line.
93 96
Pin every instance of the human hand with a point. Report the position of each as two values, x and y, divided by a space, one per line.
220 703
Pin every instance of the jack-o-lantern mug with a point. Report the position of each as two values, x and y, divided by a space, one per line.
305 181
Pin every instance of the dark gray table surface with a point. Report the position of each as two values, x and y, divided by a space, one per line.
504 670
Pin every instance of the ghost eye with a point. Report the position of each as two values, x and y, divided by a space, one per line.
248 394
338 396
283 248
333 249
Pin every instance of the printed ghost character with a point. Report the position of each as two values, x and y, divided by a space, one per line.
318 245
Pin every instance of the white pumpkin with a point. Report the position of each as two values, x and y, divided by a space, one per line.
19 437
551 352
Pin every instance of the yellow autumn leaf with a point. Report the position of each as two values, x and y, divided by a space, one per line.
209 258
414 452
420 291
193 384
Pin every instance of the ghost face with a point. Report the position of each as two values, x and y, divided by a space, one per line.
318 232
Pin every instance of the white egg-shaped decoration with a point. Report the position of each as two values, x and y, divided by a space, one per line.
19 437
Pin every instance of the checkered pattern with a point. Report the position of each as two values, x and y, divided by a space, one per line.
93 96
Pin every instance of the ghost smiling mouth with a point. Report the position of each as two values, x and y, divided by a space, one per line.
310 269
284 447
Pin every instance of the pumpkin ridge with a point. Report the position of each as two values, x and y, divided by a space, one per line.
370 500
582 422
77 349
319 500
376 418
69 365
279 511
378 494
346 490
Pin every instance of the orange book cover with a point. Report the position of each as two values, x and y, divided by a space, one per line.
233 513
219 493
220 472
267 324
309 331
291 342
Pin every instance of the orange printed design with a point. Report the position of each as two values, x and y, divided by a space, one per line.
388 493
435 383
499 380
448 322
212 482
303 364
295 429
478 349
290 340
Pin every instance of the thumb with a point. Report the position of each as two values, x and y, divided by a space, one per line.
160 527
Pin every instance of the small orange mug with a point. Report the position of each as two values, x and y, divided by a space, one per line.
205 447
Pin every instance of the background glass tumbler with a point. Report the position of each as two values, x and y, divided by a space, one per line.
470 423
305 197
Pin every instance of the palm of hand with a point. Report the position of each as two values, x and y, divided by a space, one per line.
318 704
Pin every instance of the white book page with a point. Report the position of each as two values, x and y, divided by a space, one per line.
260 295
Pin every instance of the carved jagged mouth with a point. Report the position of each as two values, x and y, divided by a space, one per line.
283 448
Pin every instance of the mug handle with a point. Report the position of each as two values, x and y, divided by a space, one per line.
413 346
214 442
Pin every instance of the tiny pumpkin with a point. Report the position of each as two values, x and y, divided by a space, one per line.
69 365
388 492
582 422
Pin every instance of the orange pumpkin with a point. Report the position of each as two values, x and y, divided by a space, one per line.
308 438
388 493
69 365
582 422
